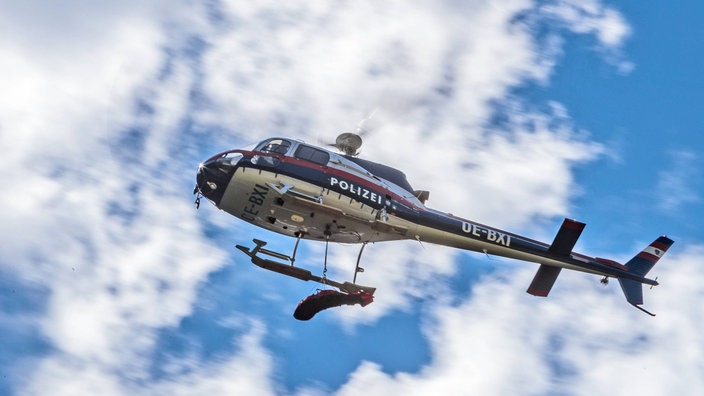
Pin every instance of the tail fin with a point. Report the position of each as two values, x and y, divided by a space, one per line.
640 265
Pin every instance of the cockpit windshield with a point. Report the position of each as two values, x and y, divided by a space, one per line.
276 145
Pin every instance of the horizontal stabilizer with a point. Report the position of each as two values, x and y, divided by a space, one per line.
543 280
566 237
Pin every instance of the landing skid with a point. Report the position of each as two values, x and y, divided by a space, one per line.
296 272
643 309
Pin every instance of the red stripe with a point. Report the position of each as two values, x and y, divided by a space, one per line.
351 177
611 263
328 170
648 257
573 225
659 245
538 292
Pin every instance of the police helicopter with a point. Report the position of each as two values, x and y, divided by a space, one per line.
307 192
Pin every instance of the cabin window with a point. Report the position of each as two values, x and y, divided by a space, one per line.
320 157
276 146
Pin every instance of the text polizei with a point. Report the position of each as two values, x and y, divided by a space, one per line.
356 190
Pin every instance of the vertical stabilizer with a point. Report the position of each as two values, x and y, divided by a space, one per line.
640 265
644 261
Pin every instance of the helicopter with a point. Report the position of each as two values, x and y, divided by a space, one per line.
308 192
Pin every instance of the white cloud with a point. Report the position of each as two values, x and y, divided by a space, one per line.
247 372
595 18
109 231
500 340
115 244
591 17
678 184
347 60
68 72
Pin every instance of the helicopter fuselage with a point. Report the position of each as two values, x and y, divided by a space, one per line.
303 191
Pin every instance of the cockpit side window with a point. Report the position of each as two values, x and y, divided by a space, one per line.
277 146
312 154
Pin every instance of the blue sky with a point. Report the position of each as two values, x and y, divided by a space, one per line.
514 113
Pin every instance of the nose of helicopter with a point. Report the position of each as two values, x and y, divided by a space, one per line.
213 177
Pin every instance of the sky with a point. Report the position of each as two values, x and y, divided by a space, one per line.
513 113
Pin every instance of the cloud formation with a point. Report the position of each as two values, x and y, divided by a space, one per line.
678 184
573 343
109 108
